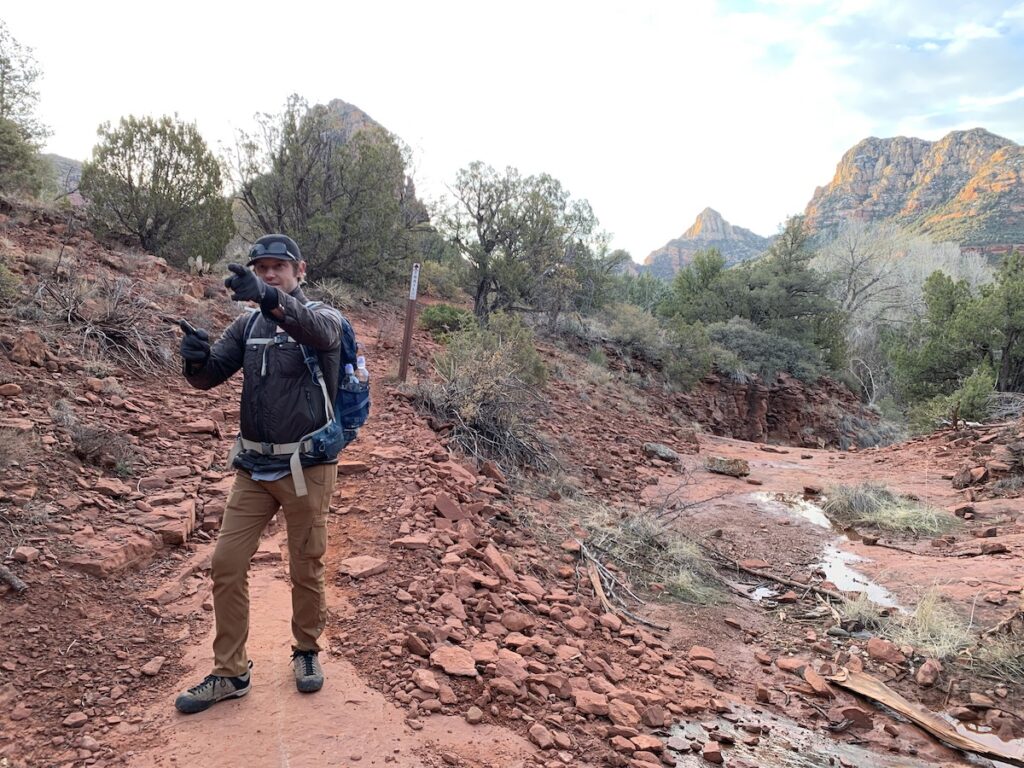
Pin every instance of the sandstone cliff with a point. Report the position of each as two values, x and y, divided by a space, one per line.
710 230
965 188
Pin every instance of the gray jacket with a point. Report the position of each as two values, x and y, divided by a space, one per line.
281 403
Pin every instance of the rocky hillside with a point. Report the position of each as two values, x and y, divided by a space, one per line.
966 187
710 230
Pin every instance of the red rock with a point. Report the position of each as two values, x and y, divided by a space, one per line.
647 743
415 541
928 673
884 651
454 661
788 597
474 715
622 744
712 752
762 694
9 390
76 720
700 652
199 426
503 686
352 467
152 667
589 702
610 621
490 469
496 560
26 554
448 507
541 736
516 621
817 682
109 486
791 664
654 716
425 680
621 713
363 566
577 625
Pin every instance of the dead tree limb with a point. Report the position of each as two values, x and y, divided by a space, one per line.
7 575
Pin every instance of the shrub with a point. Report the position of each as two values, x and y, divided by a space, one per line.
155 181
636 331
22 171
877 507
690 354
9 283
333 291
766 354
443 319
442 280
597 357
971 402
489 392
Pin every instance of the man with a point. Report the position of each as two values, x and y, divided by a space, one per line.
281 405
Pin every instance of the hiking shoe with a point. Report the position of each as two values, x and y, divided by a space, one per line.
213 689
309 675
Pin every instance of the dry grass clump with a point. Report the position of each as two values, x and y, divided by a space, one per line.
1002 657
933 629
862 610
489 393
875 506
649 551
102 446
114 317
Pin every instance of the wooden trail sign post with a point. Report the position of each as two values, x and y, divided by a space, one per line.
410 319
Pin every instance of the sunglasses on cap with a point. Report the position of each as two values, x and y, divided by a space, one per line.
278 249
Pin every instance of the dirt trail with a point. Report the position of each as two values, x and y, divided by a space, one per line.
346 723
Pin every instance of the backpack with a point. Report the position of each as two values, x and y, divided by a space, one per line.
345 414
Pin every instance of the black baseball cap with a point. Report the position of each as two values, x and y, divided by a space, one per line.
275 247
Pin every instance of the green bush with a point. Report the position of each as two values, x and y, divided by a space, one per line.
443 319
636 331
598 357
970 402
156 182
9 283
766 354
489 392
690 354
22 171
442 280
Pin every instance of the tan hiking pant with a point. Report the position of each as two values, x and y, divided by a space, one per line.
250 507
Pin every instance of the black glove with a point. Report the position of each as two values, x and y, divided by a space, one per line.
245 286
195 347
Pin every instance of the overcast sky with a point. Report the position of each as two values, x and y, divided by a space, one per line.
650 110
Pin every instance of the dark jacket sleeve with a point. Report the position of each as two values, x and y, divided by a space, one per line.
318 327
226 357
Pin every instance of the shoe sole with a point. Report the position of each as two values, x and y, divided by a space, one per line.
309 686
192 707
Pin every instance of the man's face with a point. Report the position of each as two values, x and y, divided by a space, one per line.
279 273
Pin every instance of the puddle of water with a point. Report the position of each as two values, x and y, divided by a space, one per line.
790 505
985 735
835 563
785 745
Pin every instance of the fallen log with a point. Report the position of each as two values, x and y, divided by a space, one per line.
7 575
877 691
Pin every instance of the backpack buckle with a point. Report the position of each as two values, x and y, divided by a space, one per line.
267 449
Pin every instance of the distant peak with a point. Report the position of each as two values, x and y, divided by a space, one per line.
709 225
